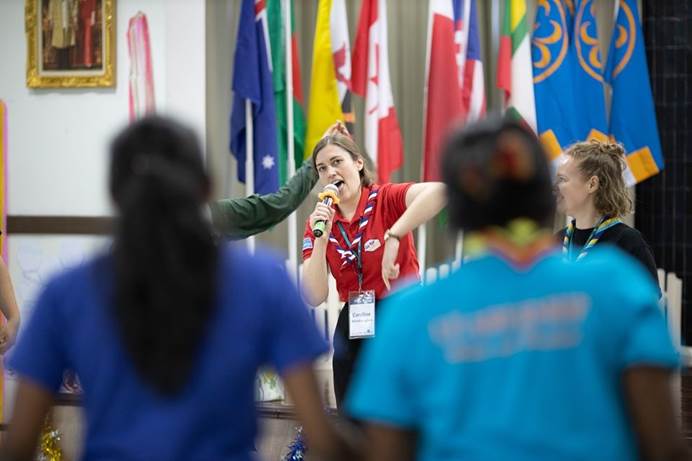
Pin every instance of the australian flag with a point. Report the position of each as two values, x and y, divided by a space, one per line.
252 80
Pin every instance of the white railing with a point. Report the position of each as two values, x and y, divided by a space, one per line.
671 303
327 313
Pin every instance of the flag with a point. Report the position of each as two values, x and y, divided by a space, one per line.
330 87
556 108
455 89
278 46
371 79
341 53
588 74
473 83
514 72
444 98
632 113
252 80
569 11
141 79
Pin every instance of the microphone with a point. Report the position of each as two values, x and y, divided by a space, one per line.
328 196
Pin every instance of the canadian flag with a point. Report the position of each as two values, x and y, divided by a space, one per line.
371 79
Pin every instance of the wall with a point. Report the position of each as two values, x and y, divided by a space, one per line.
665 201
58 138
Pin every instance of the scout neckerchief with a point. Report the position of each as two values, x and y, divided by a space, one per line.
604 224
352 252
520 242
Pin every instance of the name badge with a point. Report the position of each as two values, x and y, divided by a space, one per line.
361 314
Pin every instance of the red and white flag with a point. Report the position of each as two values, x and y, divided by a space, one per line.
454 88
473 83
371 79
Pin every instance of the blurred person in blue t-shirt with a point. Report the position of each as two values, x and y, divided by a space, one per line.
518 355
167 330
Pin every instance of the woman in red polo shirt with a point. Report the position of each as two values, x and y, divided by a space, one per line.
366 243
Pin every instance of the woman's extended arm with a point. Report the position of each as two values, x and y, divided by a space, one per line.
423 201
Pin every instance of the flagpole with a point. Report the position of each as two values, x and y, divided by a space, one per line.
422 233
290 150
249 162
422 240
459 249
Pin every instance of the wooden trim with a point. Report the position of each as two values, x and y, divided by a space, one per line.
85 225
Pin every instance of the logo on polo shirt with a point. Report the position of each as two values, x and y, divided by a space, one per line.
307 243
372 245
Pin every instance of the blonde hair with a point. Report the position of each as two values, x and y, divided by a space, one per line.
606 161
347 144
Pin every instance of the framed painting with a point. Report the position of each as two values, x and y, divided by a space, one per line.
70 43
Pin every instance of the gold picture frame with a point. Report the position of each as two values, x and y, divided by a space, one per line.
80 54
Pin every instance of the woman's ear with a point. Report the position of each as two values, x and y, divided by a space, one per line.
360 164
593 184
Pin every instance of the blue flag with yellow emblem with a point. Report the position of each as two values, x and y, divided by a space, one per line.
553 69
588 74
632 114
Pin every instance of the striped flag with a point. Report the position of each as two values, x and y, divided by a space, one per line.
632 115
371 79
278 49
514 70
141 79
473 83
330 88
341 54
454 87
444 77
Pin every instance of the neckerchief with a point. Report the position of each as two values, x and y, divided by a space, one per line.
521 242
348 254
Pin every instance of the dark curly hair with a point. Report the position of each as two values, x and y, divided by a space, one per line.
496 171
164 252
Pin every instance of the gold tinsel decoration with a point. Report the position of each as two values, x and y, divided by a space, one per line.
50 446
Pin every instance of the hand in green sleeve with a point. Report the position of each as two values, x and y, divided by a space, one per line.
240 218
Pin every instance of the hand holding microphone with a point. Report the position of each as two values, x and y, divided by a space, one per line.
323 211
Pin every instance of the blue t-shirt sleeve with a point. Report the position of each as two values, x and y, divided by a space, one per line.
645 339
381 390
39 354
294 338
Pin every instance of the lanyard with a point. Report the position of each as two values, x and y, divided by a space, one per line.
358 255
596 233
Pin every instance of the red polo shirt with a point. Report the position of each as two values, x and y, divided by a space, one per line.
389 206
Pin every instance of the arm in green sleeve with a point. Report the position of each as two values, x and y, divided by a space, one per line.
240 218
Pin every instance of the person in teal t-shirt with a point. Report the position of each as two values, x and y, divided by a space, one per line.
518 355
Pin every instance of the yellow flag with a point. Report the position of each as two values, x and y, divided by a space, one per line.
324 106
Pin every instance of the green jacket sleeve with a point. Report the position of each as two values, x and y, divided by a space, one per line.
240 218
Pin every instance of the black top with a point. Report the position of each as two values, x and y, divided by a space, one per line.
626 238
